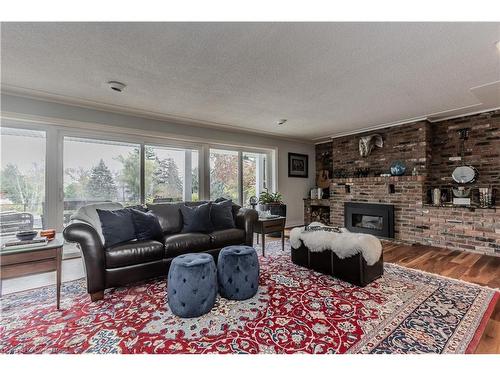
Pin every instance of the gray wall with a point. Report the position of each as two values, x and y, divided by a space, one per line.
293 189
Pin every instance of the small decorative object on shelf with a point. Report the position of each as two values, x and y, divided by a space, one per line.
367 143
339 173
313 194
415 171
436 196
398 168
485 197
361 172
461 196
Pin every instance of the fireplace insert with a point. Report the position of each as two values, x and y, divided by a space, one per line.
371 218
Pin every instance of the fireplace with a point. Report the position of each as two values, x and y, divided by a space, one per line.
371 218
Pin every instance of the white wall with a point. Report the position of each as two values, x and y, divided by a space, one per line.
293 189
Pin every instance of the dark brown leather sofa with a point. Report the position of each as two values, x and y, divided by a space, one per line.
140 260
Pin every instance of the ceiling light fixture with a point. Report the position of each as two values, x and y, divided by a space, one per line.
282 121
116 86
497 44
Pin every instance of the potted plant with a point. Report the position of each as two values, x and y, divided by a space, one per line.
272 202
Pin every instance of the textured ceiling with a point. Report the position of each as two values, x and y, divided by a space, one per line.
325 78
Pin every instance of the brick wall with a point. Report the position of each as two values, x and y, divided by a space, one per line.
482 149
407 198
416 222
408 143
429 147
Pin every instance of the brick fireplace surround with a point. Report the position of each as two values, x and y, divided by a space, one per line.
429 147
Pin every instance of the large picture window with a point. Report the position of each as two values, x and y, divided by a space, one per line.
254 174
100 171
48 174
224 181
22 193
171 174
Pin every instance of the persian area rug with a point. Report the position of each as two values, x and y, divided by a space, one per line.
295 311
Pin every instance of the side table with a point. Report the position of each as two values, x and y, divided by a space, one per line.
34 260
266 226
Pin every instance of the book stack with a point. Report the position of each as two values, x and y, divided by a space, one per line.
18 244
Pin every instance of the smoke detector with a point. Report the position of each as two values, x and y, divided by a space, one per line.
282 121
116 86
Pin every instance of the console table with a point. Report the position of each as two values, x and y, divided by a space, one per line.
266 226
34 260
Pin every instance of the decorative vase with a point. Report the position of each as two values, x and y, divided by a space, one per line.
398 168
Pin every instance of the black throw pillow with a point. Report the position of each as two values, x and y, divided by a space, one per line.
117 226
197 218
221 215
147 226
235 207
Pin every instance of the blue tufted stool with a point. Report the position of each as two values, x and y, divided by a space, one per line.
192 285
238 272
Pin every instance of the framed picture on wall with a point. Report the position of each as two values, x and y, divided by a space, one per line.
298 165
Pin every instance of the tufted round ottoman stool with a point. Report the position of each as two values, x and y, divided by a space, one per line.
192 285
238 272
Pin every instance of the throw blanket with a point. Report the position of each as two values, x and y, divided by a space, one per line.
345 244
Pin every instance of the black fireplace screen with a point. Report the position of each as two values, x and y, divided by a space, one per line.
368 221
372 218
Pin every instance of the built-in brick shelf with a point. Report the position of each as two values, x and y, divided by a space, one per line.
415 221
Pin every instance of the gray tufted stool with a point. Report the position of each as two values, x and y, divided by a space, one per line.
192 285
238 272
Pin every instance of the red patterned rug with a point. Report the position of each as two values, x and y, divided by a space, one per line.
295 311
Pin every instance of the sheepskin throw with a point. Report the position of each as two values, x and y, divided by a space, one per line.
345 244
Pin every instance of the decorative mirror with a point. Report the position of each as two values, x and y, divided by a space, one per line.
465 174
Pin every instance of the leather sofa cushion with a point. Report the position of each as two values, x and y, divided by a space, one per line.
182 243
133 252
226 237
169 215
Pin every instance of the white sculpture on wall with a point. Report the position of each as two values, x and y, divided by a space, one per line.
367 143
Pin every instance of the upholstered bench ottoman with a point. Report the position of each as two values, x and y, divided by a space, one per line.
353 257
192 285
238 272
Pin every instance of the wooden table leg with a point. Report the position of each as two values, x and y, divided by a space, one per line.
263 245
283 240
58 276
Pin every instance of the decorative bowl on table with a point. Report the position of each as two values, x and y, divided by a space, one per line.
26 235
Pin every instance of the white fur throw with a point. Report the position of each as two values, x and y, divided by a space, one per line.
345 244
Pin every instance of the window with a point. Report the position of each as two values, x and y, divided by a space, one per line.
254 175
224 180
171 174
22 194
100 171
